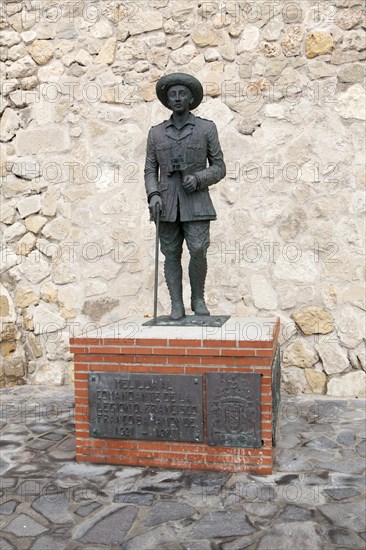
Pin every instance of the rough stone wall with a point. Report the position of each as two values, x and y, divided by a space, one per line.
284 81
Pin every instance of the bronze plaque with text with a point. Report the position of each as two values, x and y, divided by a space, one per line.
163 407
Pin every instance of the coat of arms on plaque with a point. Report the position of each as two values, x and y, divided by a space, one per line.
233 409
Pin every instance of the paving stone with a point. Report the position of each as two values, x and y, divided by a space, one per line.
55 436
90 471
361 448
8 507
221 524
341 493
288 479
54 507
5 465
208 483
39 444
322 442
346 466
160 538
87 509
238 544
348 515
5 545
306 535
296 513
48 543
109 527
141 499
25 526
347 438
261 509
198 545
167 510
345 538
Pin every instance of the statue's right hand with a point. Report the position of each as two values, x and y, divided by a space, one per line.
155 204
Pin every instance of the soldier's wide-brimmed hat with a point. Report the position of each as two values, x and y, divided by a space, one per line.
166 82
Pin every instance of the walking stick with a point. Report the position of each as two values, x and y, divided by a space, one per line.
157 218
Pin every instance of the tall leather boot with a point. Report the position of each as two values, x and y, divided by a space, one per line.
173 277
197 277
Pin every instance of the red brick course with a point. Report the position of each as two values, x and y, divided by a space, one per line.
178 356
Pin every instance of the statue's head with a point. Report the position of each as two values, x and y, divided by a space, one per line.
178 82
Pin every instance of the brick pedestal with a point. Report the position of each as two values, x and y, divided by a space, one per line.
240 346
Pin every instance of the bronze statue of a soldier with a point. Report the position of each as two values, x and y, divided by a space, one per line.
183 159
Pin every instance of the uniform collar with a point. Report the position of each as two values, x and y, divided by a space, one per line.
190 120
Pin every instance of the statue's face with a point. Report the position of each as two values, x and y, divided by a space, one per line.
179 98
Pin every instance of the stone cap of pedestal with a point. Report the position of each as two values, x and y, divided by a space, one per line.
252 330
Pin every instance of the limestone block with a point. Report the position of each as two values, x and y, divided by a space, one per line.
35 223
215 109
158 56
352 384
7 311
183 55
358 356
83 58
57 229
14 367
146 21
204 35
26 244
35 268
353 40
34 344
14 232
102 29
50 201
263 294
249 39
25 297
9 124
318 43
52 72
29 205
354 72
41 51
272 30
28 36
94 287
175 41
291 40
9 38
95 309
334 358
47 139
295 266
107 53
49 292
352 103
49 374
276 110
317 381
313 320
17 52
182 10
211 77
300 355
293 380
22 68
8 258
7 214
356 295
358 203
348 19
351 326
320 69
26 169
63 272
270 49
47 321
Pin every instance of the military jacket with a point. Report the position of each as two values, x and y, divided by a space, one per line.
173 154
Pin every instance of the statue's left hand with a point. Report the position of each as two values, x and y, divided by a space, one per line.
190 184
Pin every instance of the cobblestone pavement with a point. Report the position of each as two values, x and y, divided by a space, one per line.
315 500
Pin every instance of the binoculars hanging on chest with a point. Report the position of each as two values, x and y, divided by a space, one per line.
177 164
